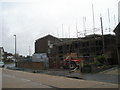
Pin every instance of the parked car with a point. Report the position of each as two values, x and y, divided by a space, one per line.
2 64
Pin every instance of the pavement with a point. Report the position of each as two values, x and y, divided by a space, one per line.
20 79
0 78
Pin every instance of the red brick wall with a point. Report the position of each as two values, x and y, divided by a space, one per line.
31 65
55 63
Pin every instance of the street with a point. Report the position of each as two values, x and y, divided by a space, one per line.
20 79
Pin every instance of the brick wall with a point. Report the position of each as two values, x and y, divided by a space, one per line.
55 63
31 65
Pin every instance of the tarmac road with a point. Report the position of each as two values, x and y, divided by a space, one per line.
20 79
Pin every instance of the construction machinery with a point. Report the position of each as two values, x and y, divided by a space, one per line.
72 61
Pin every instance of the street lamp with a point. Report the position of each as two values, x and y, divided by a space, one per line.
15 49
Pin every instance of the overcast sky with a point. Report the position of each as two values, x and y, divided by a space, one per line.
33 19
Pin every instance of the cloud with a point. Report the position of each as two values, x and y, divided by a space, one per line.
32 19
119 12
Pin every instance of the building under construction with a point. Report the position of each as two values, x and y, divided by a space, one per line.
91 46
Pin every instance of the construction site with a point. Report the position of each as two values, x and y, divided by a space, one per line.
90 47
87 48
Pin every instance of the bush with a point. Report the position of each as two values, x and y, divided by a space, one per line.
101 59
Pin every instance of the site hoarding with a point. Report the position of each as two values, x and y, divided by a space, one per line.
40 57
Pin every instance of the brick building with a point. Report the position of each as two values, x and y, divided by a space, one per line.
45 44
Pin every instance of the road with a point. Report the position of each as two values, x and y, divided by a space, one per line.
20 79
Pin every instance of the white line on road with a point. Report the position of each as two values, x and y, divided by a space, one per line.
25 79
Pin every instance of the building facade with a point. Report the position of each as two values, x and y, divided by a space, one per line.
1 53
45 44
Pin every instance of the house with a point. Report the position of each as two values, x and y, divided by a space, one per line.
45 44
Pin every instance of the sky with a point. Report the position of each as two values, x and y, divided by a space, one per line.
119 12
33 19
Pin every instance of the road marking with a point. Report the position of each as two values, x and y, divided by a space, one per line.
16 77
41 84
25 79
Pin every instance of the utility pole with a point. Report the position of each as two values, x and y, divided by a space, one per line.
102 35
62 31
109 19
15 50
69 31
84 25
29 51
76 31
57 33
93 19
94 29
114 20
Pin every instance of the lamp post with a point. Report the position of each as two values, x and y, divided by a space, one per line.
15 49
